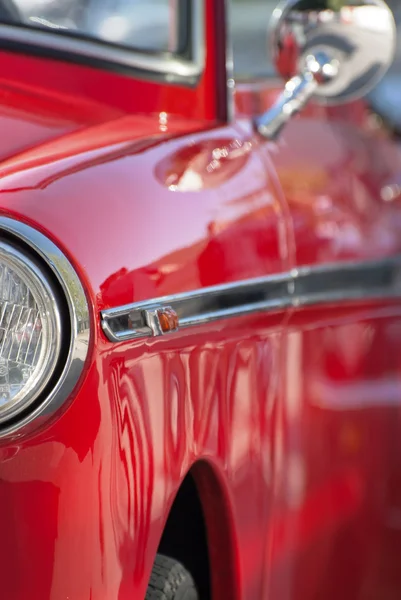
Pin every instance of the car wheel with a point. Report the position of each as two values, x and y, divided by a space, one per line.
170 581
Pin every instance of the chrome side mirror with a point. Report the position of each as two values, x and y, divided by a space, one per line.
332 51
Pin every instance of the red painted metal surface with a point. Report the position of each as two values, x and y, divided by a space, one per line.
289 420
334 523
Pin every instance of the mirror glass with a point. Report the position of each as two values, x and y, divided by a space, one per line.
359 37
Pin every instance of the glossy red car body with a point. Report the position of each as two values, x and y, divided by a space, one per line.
288 422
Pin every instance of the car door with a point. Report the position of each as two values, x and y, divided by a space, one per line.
334 514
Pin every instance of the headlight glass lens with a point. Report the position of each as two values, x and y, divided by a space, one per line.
30 332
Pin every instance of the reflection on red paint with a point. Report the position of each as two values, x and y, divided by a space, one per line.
322 513
206 164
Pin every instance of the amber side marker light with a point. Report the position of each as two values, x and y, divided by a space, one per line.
168 320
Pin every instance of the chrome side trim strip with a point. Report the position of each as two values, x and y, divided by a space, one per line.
78 316
172 68
303 287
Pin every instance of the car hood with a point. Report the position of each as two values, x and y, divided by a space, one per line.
41 130
31 116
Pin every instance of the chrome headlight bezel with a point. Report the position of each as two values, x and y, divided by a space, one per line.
60 292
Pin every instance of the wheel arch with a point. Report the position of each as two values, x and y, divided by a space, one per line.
204 486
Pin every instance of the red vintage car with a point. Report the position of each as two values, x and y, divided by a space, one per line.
200 316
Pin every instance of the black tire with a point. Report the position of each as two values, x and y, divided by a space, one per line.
170 581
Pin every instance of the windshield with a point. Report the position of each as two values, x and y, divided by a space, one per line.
140 24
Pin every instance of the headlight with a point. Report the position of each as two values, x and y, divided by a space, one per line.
44 328
30 332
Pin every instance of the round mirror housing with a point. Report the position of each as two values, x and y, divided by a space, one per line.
332 50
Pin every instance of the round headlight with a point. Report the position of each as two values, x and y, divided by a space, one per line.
30 332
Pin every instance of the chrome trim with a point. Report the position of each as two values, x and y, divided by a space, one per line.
297 93
307 286
152 321
173 68
78 313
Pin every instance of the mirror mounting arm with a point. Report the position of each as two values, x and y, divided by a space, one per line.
319 69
